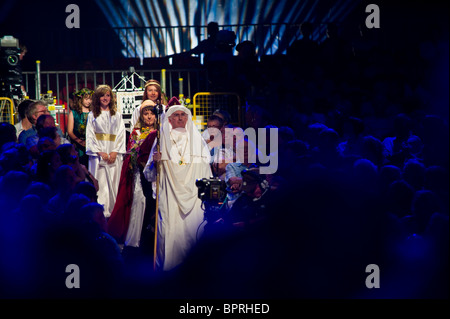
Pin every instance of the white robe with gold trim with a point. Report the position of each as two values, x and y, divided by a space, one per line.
108 175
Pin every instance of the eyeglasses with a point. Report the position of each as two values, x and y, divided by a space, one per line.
180 115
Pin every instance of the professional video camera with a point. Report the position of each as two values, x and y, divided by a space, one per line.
212 191
10 70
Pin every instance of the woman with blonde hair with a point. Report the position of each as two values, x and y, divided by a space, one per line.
105 145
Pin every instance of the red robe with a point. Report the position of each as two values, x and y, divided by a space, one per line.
119 220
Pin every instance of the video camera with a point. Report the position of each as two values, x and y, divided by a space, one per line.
10 70
212 191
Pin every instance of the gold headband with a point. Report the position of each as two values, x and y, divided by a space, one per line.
149 106
152 83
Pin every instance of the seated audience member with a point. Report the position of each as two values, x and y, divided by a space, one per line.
399 198
372 149
65 182
256 116
437 180
225 116
246 153
93 213
214 136
23 124
291 155
9 161
32 210
72 206
15 156
45 126
352 134
79 239
414 174
388 175
87 189
312 134
47 164
46 143
250 206
424 204
415 145
32 112
7 133
326 152
366 176
396 148
40 189
51 132
69 156
12 188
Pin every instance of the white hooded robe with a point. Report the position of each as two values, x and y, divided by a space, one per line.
181 217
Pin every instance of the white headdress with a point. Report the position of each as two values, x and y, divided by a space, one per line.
197 145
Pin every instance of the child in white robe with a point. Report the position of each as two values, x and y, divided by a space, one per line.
105 145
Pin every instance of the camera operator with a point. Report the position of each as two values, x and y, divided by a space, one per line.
251 207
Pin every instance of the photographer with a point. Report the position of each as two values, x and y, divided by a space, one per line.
251 207
249 210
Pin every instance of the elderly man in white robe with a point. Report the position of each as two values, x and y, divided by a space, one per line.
184 157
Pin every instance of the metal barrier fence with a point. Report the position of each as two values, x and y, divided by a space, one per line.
192 83
7 110
63 83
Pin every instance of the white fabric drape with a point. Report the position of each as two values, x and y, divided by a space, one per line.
108 175
134 232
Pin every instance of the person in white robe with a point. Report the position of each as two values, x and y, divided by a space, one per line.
140 132
184 157
105 145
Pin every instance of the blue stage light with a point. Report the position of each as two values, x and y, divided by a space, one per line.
164 27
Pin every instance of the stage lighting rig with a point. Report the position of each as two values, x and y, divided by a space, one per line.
10 70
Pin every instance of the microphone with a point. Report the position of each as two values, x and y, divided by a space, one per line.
158 107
